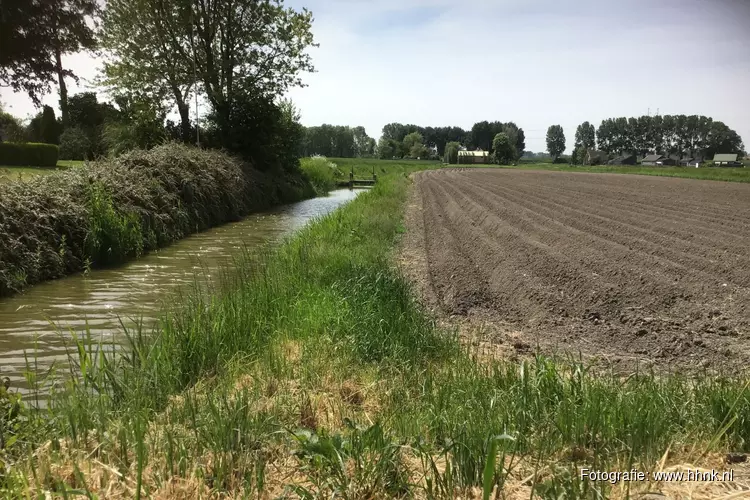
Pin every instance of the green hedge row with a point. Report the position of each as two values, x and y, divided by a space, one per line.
116 209
28 154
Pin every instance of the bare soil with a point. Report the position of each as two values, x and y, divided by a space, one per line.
625 268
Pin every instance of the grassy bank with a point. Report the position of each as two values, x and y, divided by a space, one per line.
313 372
110 211
706 173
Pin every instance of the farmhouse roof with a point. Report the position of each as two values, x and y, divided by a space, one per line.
725 157
653 158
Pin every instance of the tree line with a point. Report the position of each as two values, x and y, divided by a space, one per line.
680 136
239 56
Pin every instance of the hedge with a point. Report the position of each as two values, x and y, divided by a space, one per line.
28 154
114 210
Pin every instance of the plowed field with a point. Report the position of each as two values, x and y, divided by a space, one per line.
623 267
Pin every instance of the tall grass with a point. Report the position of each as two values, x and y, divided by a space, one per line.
321 173
313 371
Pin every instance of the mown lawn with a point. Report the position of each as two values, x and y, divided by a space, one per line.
15 173
314 372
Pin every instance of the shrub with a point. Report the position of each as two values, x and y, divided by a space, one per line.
321 173
74 144
29 154
561 160
451 152
109 211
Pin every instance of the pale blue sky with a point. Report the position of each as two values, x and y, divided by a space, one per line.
534 62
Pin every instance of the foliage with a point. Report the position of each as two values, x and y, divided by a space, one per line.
389 149
106 212
260 131
451 152
432 136
34 35
504 151
585 136
412 139
555 141
337 141
321 173
28 154
11 128
74 144
420 151
150 55
680 135
138 125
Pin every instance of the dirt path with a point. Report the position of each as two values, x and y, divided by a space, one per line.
628 268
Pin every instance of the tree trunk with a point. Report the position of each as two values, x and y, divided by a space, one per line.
184 110
63 88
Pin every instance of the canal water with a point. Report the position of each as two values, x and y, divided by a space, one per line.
41 318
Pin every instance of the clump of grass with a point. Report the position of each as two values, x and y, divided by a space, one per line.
321 173
106 212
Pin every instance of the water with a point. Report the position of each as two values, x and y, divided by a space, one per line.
45 313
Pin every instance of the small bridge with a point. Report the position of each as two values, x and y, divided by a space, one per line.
352 182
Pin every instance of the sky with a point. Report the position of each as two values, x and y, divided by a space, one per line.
533 62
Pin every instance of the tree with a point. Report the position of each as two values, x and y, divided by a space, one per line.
555 141
11 128
451 152
389 148
35 34
50 129
411 140
151 57
419 151
504 150
246 50
585 136
481 136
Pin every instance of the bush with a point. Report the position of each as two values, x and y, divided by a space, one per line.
451 152
74 144
29 154
321 173
561 160
106 212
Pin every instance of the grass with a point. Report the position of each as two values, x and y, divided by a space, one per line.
705 173
312 371
25 173
321 173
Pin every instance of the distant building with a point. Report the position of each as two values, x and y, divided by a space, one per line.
651 159
658 160
690 162
473 157
623 160
727 160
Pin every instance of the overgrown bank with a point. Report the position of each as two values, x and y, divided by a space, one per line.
314 372
108 212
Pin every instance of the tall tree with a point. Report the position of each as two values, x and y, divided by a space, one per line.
585 136
504 150
555 140
247 47
35 34
151 59
481 136
68 22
